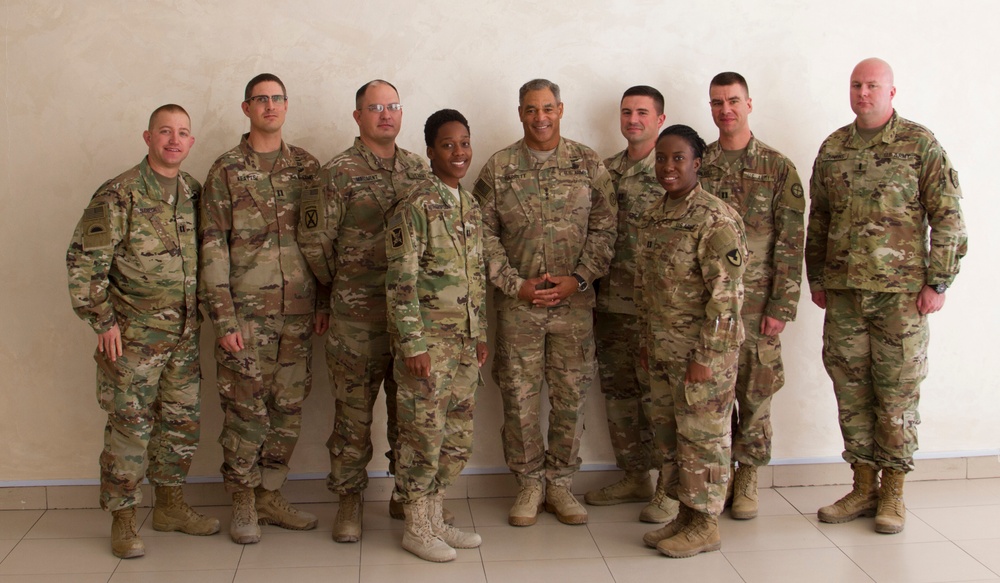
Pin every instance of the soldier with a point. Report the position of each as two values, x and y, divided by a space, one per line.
877 185
764 188
435 289
616 328
548 231
342 237
689 292
133 267
262 300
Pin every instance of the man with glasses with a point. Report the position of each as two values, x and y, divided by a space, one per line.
548 231
342 235
265 306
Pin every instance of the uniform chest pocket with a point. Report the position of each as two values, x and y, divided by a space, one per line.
895 182
152 241
252 211
516 204
366 210
568 199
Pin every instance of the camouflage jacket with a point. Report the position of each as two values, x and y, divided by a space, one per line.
251 265
556 218
342 227
436 280
688 282
871 207
134 254
764 188
637 190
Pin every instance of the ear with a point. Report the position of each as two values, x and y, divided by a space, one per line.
146 136
357 116
246 109
660 119
697 164
749 104
560 109
430 152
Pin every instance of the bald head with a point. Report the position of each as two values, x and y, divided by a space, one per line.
872 91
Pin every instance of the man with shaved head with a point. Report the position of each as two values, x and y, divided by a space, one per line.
877 185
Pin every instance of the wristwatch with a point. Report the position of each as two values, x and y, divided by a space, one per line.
939 288
581 284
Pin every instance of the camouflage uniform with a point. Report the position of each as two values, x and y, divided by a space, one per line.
255 281
557 217
764 188
133 261
869 250
435 288
341 235
616 328
689 292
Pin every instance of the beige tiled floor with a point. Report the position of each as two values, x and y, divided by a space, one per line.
952 534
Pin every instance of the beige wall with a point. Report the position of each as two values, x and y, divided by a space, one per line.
80 78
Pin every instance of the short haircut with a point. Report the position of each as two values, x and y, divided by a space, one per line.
260 79
364 89
646 91
730 78
538 85
168 108
438 119
689 135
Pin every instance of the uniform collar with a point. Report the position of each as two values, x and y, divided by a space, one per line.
888 135
253 158
620 164
152 185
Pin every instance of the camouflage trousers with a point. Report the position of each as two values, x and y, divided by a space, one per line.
761 374
359 360
151 396
435 417
555 345
623 383
691 422
261 390
875 350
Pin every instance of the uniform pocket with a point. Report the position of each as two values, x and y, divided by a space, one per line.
113 379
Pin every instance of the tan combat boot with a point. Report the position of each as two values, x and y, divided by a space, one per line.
700 535
396 512
653 537
125 541
561 502
171 513
272 508
525 510
455 538
891 515
347 524
662 508
418 536
634 487
744 493
243 528
862 500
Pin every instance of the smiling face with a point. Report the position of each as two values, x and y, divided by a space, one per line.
540 115
731 106
169 139
676 165
451 153
639 120
268 117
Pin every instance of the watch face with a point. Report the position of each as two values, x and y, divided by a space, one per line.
941 288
